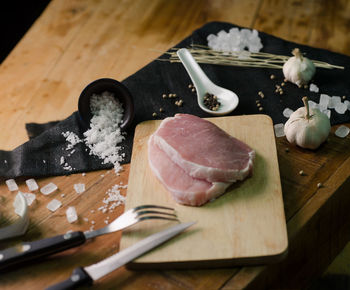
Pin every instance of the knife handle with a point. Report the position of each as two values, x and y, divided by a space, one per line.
78 278
25 252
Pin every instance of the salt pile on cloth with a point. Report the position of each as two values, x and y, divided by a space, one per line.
71 214
79 187
342 131
11 184
235 40
54 205
104 134
72 140
48 188
32 185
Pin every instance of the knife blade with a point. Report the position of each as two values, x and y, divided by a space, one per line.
86 276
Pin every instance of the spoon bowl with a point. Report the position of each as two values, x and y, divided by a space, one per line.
228 99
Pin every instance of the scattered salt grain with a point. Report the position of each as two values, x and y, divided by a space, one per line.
287 112
44 161
342 131
314 88
32 185
72 139
85 219
54 205
62 161
279 130
48 188
340 108
71 214
30 197
104 134
79 187
83 174
92 222
5 161
63 195
11 184
106 222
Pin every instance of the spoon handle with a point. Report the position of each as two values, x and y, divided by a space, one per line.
198 77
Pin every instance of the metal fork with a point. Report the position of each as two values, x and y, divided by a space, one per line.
29 251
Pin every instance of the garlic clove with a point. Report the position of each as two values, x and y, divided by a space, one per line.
298 69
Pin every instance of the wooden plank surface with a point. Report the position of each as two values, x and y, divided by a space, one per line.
75 42
244 226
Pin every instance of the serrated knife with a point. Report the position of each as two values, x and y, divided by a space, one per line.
87 275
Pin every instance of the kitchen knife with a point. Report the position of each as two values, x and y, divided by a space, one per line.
87 275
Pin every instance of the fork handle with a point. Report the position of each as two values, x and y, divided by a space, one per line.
25 252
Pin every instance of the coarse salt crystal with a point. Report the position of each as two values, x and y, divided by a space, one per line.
79 187
30 197
32 185
347 103
279 130
48 188
333 101
71 214
11 184
287 112
314 88
324 101
342 131
313 105
85 219
62 160
54 205
340 108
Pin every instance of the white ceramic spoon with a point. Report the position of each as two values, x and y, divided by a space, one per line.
203 84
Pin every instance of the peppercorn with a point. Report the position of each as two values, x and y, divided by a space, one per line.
154 114
261 108
161 109
319 185
211 102
301 172
272 77
164 96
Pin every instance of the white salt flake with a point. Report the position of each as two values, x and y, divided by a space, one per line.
54 205
63 195
11 184
32 185
347 103
287 112
48 188
71 214
313 105
340 108
279 130
5 161
62 161
83 174
342 131
85 219
30 197
79 187
314 88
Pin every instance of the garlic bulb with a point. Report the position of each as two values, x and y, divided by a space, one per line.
298 69
307 128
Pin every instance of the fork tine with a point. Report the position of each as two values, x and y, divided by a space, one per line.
152 206
152 217
143 212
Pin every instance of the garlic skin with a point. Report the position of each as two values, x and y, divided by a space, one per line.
298 69
307 128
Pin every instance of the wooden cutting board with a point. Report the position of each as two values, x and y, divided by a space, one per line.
246 225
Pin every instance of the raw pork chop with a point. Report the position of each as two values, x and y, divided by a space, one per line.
184 188
203 150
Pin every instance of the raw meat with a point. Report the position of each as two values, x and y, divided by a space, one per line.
203 150
184 188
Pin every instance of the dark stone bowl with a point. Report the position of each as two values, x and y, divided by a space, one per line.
98 87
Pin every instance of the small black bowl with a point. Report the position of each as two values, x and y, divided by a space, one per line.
106 85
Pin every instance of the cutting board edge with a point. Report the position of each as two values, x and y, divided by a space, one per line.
210 264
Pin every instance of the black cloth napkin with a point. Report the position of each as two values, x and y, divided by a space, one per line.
41 155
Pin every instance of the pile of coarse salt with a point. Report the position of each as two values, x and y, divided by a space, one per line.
235 40
114 198
104 134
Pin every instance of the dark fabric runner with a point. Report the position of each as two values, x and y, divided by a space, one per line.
41 155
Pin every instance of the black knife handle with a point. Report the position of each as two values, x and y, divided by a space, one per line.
25 252
78 278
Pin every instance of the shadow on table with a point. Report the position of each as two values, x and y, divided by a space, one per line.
331 281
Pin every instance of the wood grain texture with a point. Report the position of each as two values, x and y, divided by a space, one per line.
75 42
244 226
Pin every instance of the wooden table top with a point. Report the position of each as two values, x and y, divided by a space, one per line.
74 42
